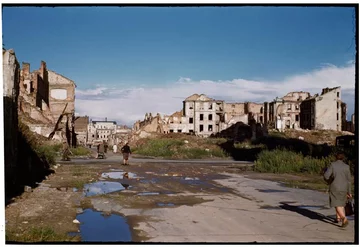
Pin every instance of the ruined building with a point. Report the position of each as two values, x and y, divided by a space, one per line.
323 111
284 113
44 96
204 115
243 112
81 129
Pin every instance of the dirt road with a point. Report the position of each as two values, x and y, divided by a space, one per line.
168 202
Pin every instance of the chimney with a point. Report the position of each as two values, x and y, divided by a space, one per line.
106 119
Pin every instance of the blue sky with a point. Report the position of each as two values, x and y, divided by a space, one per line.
110 49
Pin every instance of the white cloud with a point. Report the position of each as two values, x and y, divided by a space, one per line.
126 105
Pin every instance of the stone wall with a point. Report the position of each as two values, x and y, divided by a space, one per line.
61 92
11 74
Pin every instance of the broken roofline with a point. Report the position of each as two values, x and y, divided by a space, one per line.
63 77
102 121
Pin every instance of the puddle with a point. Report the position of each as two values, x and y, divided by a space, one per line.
151 181
94 227
126 186
191 181
119 175
271 191
161 204
148 193
102 188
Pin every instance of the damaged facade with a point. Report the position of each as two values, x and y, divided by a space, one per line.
284 113
323 111
44 96
204 116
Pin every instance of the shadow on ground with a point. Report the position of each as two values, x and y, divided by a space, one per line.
271 143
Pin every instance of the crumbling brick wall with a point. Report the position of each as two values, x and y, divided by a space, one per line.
11 77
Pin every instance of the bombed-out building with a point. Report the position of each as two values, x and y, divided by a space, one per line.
324 111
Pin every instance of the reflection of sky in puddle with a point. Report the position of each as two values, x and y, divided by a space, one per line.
161 204
118 175
188 178
95 227
102 188
148 193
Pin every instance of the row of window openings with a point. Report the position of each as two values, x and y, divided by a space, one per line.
201 128
201 107
101 136
290 107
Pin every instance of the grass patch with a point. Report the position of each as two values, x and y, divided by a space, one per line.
80 151
38 234
178 149
48 152
285 161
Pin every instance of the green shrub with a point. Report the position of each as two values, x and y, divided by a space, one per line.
159 147
80 151
284 161
48 152
215 141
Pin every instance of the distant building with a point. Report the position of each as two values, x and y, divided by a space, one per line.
101 130
81 129
322 111
284 113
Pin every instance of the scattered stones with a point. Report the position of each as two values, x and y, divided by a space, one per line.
27 189
186 141
25 222
301 138
79 210
76 221
207 150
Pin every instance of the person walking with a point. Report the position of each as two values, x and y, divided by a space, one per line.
338 177
126 153
115 148
66 151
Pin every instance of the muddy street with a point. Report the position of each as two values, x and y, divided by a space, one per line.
169 202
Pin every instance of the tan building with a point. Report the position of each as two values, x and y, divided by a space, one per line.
205 116
81 129
61 94
284 113
322 111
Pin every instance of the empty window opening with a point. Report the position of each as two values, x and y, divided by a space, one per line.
210 117
210 127
337 116
296 118
171 131
289 106
179 131
201 128
201 117
261 119
210 106
191 120
191 131
338 94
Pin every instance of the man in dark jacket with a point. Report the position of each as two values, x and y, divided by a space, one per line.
126 153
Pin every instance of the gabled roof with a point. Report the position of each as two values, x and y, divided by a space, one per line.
70 81
197 97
